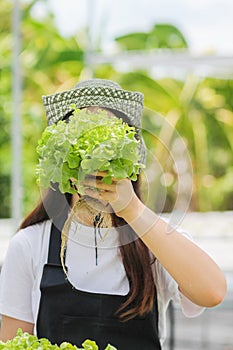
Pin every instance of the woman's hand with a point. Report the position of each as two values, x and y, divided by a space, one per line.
119 194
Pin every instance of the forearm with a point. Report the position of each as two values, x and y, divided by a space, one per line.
197 275
10 326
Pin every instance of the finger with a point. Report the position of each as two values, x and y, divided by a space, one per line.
98 184
99 195
101 174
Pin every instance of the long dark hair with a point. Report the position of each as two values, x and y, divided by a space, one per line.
135 255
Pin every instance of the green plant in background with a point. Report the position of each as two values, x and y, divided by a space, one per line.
200 110
161 36
215 180
5 106
43 67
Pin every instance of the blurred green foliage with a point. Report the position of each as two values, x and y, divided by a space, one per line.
161 36
197 110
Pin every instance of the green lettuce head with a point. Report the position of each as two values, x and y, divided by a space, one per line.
89 142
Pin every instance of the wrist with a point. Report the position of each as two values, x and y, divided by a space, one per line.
132 211
141 218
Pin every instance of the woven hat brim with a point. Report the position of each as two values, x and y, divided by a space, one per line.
128 102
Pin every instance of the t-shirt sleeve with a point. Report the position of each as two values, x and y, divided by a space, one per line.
16 280
189 308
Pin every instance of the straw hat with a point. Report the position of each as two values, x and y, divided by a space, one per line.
102 93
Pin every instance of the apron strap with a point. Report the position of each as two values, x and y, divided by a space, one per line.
55 242
54 245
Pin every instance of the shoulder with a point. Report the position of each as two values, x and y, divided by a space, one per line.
38 228
32 234
21 271
30 243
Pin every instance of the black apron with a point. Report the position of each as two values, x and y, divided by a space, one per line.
68 314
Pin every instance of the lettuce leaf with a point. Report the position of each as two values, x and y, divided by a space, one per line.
24 340
88 143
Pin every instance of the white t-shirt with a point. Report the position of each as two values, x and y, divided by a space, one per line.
28 252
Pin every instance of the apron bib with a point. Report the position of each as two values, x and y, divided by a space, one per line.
72 315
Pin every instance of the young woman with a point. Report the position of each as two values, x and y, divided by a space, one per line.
120 278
